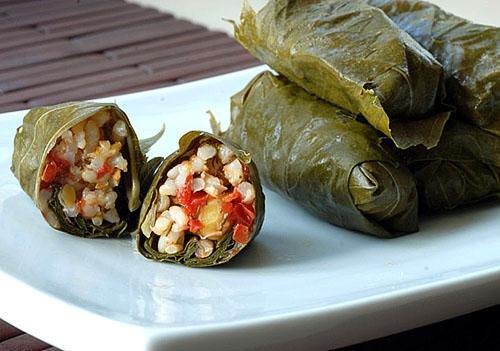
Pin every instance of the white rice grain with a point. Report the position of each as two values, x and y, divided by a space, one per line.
225 154
206 152
205 248
233 172
168 188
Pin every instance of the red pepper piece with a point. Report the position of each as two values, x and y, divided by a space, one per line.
241 234
227 207
249 211
49 172
234 196
191 201
54 169
105 168
185 193
241 214
62 164
194 225
198 199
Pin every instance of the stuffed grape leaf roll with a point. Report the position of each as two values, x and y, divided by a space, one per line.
463 168
323 158
80 162
352 55
204 206
469 53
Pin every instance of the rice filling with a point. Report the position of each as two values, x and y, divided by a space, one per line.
85 168
204 198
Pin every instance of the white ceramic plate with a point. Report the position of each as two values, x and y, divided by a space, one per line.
303 284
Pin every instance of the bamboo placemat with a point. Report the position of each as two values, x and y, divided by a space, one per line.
59 50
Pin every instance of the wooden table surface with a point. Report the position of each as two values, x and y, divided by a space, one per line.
59 50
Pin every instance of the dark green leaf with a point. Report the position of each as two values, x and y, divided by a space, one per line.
147 174
323 158
353 56
463 168
80 226
146 144
469 53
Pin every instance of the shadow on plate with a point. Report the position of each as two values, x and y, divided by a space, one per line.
277 248
300 239
460 217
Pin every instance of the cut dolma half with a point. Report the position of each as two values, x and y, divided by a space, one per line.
469 53
323 158
80 163
204 206
352 55
463 168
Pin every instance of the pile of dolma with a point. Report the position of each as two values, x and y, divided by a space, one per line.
380 108
425 79
352 55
